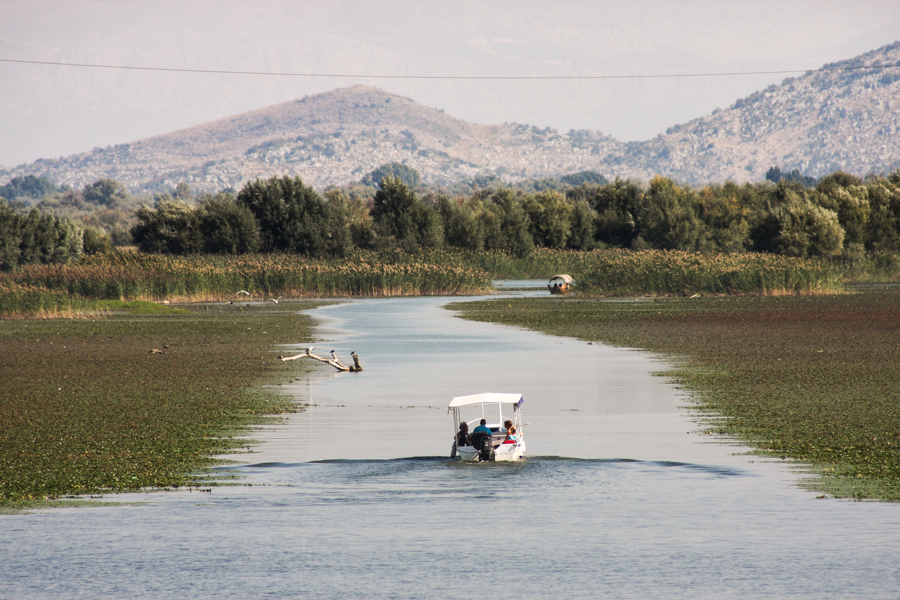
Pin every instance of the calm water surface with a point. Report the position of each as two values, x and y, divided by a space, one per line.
622 496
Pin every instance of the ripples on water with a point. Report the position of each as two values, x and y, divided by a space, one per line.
426 527
336 508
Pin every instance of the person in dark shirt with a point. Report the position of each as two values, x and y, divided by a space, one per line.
462 436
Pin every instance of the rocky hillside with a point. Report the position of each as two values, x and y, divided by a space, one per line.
817 123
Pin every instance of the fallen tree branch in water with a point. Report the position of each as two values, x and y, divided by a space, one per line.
333 361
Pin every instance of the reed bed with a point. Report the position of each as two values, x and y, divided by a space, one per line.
654 272
131 276
48 290
542 263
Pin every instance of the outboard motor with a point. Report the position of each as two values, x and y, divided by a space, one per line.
487 449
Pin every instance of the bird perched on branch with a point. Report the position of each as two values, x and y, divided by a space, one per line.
334 356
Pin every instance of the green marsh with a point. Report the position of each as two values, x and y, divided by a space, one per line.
136 400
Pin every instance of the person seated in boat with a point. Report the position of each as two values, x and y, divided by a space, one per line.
511 437
482 428
480 433
462 436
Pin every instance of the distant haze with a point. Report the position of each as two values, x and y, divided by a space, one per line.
52 111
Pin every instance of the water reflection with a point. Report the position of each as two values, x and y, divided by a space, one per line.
581 400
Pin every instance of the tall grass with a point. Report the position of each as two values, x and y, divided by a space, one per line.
619 272
60 289
130 276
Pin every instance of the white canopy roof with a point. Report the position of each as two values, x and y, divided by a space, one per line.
488 398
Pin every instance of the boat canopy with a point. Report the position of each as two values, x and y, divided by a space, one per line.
566 279
489 398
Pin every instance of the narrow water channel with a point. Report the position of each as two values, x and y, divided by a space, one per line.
621 497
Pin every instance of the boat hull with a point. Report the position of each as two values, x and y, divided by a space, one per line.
502 453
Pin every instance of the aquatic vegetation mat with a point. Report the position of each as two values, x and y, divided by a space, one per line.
810 378
136 400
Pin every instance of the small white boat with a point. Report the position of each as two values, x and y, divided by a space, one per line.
506 440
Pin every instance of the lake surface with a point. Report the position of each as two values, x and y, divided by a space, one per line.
622 495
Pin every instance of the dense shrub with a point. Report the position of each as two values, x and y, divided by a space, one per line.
293 217
37 238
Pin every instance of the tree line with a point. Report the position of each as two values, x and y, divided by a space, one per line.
841 214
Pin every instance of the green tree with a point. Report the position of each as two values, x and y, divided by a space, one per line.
549 215
226 226
400 219
581 235
727 214
582 177
883 228
798 227
616 205
9 236
293 217
170 228
668 218
463 227
354 211
409 176
105 192
851 204
28 187
45 239
96 241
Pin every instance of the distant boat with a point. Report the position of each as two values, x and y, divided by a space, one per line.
561 285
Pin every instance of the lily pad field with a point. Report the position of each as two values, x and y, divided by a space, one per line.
135 400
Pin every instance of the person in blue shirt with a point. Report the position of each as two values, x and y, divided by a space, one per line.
482 428
481 435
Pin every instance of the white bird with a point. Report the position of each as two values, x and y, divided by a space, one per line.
308 350
244 292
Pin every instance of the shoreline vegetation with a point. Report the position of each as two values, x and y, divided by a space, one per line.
140 398
809 378
68 290
111 415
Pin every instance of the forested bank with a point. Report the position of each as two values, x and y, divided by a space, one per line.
840 216
280 237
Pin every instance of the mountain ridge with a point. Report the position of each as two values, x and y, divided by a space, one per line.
819 122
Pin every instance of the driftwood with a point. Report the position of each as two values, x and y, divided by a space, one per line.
333 361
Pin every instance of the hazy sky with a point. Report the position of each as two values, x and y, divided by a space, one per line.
52 111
